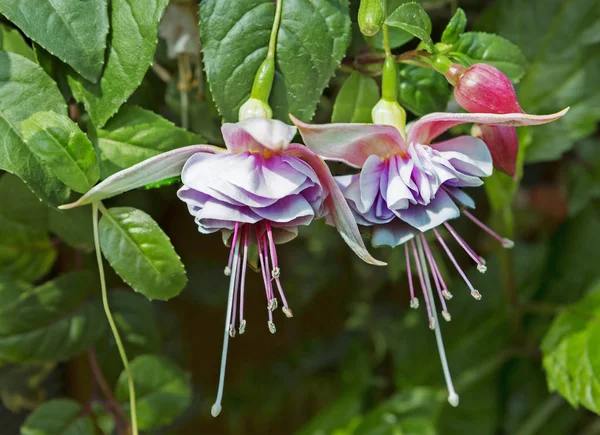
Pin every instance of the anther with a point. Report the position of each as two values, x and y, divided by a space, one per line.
242 327
414 303
482 260
215 410
476 294
507 243
288 312
453 399
446 316
276 272
227 271
272 328
231 331
481 268
447 295
272 304
432 323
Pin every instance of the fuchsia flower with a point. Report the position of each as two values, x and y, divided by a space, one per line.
406 188
483 88
258 190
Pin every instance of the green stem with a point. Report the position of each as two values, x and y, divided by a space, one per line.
110 318
386 40
540 416
275 29
507 261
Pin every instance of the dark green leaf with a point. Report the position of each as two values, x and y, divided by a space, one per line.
356 99
52 322
335 416
75 32
58 417
572 355
422 90
11 40
412 18
134 135
131 45
20 205
455 27
311 42
563 69
73 226
141 253
492 49
63 147
25 89
20 385
583 176
138 328
163 390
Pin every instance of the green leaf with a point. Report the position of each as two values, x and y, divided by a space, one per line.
163 390
137 325
11 40
422 90
73 226
64 148
75 32
25 89
141 253
135 134
131 45
20 205
356 99
583 175
59 417
338 414
51 322
20 385
494 50
571 354
455 27
312 40
563 64
412 18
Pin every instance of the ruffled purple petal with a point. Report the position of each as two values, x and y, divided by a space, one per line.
393 234
426 217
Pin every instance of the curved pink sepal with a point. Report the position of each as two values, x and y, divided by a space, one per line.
256 134
503 144
431 126
339 211
351 143
152 170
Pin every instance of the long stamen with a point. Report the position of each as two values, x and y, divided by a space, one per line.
227 270
242 327
216 408
237 260
453 398
507 243
474 292
272 298
266 281
433 266
445 292
275 273
414 302
476 258
432 321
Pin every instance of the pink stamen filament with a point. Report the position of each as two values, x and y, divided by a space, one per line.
413 300
242 327
275 272
476 258
422 280
267 268
507 243
433 266
230 262
474 292
238 261
264 272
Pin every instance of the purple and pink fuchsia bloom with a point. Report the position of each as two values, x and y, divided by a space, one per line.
408 187
258 190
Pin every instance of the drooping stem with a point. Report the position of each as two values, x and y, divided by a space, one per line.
386 40
111 320
275 29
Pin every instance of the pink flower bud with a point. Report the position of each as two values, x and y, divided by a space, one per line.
485 89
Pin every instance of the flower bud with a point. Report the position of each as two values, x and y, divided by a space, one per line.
371 14
389 113
254 108
485 89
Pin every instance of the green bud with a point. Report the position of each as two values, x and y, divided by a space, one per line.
371 15
254 108
441 63
441 48
390 113
263 81
389 80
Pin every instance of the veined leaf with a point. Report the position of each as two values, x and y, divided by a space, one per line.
11 40
356 99
59 417
412 18
421 90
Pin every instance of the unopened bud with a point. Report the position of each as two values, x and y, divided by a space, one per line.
389 113
254 108
485 89
371 14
